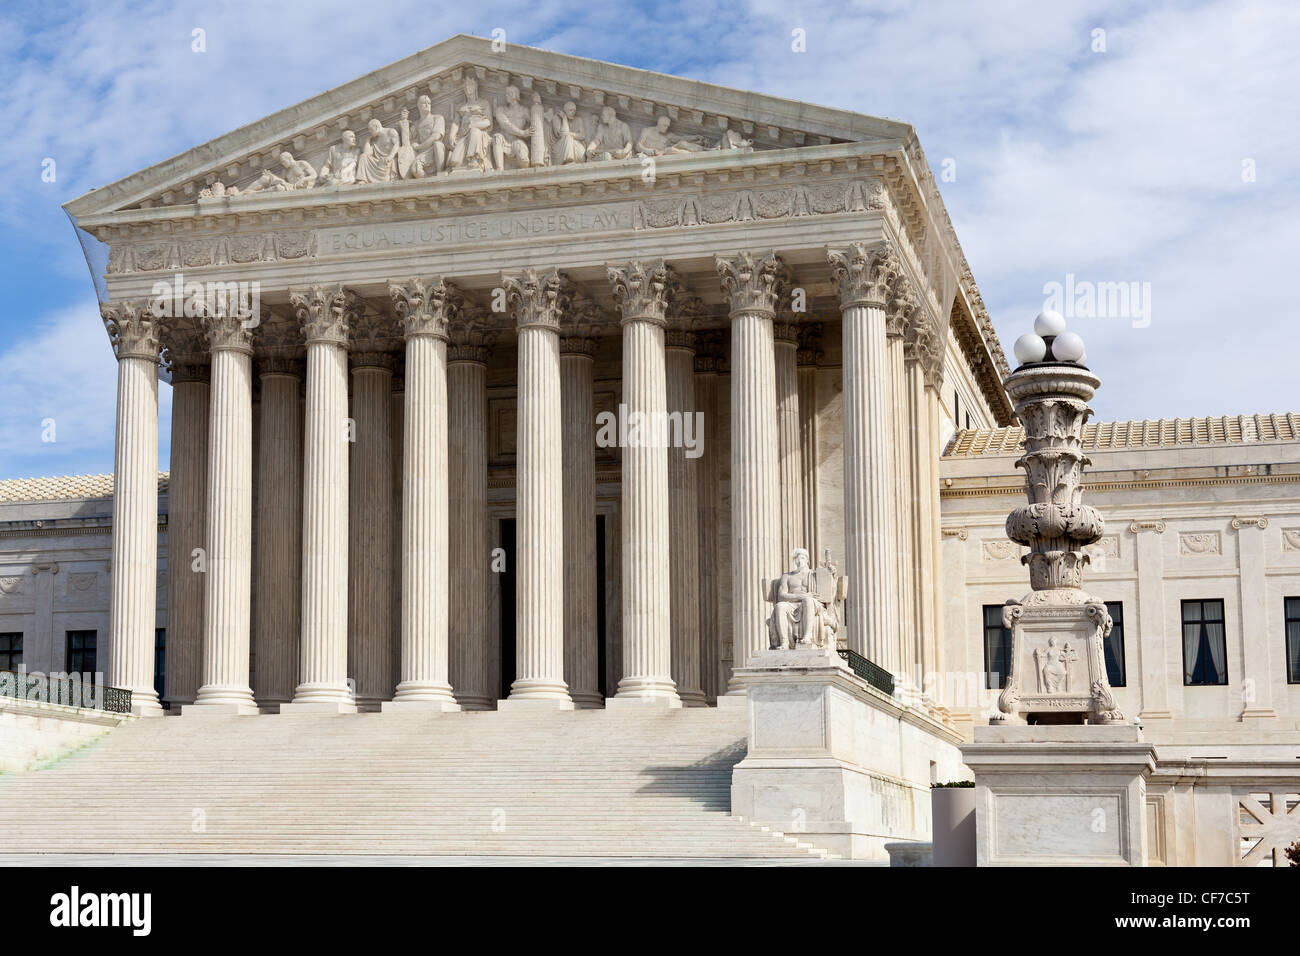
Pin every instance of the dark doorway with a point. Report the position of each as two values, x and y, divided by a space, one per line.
600 604
507 579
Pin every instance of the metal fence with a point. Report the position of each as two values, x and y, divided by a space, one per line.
877 677
71 690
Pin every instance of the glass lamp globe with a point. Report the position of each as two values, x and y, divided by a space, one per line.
1049 322
1030 348
1067 347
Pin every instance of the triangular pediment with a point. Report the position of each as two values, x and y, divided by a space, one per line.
701 117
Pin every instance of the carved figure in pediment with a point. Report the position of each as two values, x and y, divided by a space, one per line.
429 151
612 139
570 135
340 167
218 190
656 140
514 131
471 131
733 140
298 174
378 160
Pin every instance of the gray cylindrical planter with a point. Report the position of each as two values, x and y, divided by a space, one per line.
952 811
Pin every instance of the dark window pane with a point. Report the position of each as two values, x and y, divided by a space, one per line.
997 648
1205 652
1293 640
1114 645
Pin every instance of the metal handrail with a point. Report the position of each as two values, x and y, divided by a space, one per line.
72 691
877 677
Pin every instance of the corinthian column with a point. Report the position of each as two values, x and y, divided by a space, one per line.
786 336
187 509
640 289
901 312
538 299
684 508
370 525
753 284
323 652
581 653
227 619
132 604
467 356
808 357
708 349
864 272
424 310
278 566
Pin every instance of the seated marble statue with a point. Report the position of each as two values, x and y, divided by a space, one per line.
612 139
804 612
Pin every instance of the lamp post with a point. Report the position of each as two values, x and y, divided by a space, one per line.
1057 671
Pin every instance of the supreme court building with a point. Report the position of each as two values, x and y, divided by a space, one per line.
506 379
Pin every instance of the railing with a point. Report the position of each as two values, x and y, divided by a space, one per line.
877 677
70 691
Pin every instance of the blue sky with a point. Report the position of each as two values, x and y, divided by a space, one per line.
1164 151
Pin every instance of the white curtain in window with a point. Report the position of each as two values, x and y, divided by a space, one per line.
1191 650
1218 648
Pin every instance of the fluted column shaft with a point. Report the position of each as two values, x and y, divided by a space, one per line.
863 273
706 537
900 543
467 437
921 551
581 653
753 286
133 581
187 509
807 387
323 650
684 518
790 464
227 619
539 495
277 620
370 528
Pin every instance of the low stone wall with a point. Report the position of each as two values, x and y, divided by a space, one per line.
835 761
33 732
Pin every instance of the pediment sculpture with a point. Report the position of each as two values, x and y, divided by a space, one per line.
807 605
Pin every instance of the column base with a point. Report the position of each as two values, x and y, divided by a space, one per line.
146 705
426 706
534 703
693 698
476 702
318 707
588 701
424 692
219 709
539 688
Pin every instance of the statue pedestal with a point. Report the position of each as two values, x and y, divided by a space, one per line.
1060 795
834 761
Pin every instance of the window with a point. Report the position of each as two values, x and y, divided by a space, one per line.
1114 646
11 652
1205 650
159 660
81 652
956 409
997 648
1293 640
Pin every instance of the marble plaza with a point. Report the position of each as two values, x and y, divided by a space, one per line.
524 383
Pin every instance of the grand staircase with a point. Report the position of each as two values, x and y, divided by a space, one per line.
569 784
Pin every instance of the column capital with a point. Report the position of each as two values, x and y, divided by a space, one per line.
425 307
188 371
579 345
810 345
539 297
708 352
786 333
864 272
381 360
277 365
921 344
228 333
903 308
326 313
641 290
133 330
754 283
470 336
